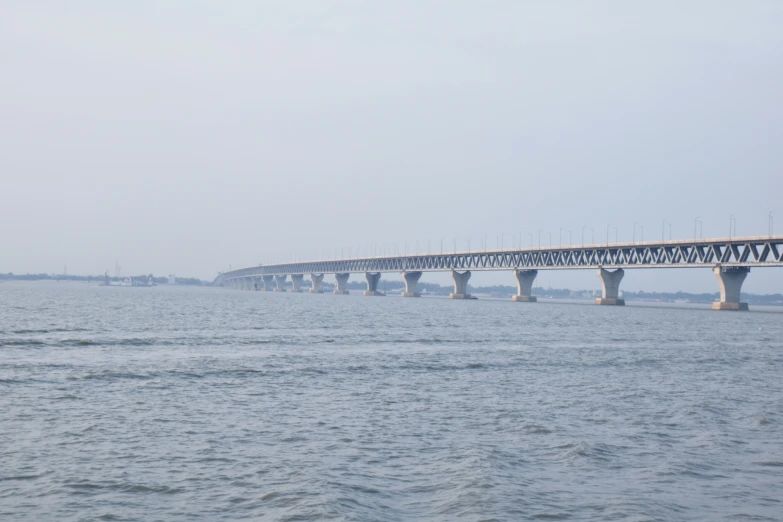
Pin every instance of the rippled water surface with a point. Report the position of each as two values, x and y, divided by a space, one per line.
210 404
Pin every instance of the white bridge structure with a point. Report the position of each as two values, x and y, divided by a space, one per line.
730 259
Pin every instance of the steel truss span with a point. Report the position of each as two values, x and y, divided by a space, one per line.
735 252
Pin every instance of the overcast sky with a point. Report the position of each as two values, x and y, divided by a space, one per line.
186 136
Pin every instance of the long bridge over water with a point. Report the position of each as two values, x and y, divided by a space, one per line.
730 259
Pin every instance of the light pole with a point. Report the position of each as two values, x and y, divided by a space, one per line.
635 224
531 239
771 223
592 239
695 221
569 238
663 230
732 221
441 246
560 237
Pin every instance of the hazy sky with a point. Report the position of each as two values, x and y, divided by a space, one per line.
186 136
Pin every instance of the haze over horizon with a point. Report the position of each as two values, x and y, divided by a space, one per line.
189 136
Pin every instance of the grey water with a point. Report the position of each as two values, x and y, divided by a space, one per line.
174 403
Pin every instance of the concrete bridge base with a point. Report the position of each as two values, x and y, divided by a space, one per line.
280 283
411 280
460 285
610 302
342 281
372 283
610 283
296 282
730 280
268 282
317 279
525 280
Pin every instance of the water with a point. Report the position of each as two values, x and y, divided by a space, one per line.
211 404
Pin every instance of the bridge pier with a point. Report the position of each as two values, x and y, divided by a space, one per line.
247 283
460 285
268 282
525 280
280 282
317 280
296 282
342 282
372 283
730 280
411 280
610 283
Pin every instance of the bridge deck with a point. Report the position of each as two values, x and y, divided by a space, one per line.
753 251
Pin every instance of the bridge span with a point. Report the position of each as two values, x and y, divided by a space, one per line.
730 259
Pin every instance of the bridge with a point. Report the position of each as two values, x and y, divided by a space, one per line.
730 259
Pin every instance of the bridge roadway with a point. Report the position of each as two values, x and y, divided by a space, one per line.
730 259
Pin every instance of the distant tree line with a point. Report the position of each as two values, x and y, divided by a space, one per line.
95 278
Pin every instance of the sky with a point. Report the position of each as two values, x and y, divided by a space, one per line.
186 137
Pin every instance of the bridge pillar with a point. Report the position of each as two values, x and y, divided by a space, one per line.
730 280
411 280
254 284
296 282
342 282
372 283
460 285
525 280
280 279
317 280
268 282
247 283
610 283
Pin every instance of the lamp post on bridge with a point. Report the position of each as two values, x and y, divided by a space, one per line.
663 230
771 223
696 220
732 221
635 224
608 227
592 235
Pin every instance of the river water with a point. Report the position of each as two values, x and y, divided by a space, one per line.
174 403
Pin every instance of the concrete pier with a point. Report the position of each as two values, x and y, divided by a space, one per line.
411 280
342 282
610 287
268 282
525 280
280 283
372 283
296 282
460 285
730 280
317 280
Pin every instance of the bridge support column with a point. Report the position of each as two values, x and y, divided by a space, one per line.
342 282
247 283
268 282
460 285
610 283
280 279
317 280
254 284
372 283
730 280
411 280
296 282
525 280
